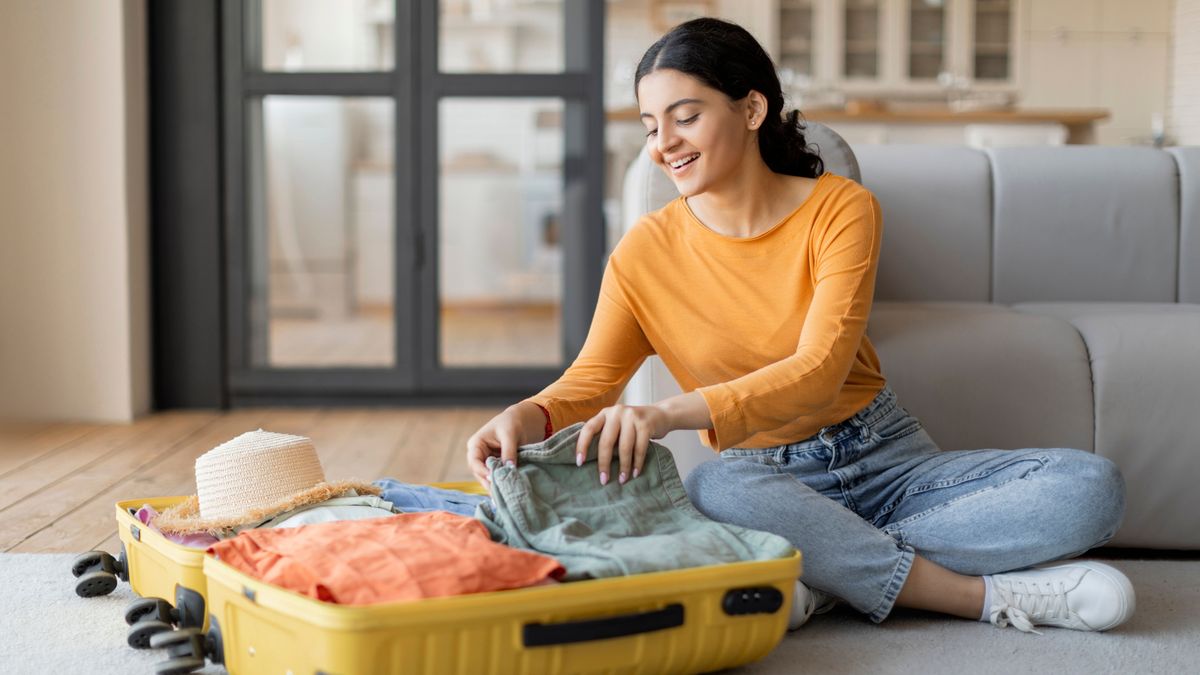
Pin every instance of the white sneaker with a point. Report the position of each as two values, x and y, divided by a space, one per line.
806 602
1081 596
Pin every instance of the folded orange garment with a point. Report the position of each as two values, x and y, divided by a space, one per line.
403 557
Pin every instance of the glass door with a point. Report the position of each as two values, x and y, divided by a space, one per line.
318 144
408 206
511 186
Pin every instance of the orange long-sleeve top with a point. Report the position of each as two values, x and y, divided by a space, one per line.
770 329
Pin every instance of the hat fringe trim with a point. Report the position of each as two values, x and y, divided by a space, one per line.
184 518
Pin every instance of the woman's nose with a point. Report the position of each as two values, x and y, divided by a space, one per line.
666 141
666 145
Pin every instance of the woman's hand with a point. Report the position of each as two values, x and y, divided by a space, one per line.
519 424
626 429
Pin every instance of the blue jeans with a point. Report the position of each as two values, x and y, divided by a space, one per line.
861 498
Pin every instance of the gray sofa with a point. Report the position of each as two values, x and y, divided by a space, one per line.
1029 297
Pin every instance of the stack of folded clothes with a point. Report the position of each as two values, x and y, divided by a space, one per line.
547 503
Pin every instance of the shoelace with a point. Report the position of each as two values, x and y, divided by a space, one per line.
1029 603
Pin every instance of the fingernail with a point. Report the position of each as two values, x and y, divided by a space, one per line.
603 478
621 478
635 472
579 459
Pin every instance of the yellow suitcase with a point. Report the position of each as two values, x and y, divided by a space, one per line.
168 577
682 621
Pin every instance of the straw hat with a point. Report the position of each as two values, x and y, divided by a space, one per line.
251 478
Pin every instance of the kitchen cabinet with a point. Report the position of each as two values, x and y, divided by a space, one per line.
1106 53
898 46
797 37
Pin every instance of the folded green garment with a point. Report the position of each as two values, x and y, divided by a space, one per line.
549 505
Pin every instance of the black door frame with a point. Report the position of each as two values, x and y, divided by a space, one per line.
200 94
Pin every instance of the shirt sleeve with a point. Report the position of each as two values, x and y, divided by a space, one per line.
612 352
847 258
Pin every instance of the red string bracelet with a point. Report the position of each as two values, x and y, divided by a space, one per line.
549 429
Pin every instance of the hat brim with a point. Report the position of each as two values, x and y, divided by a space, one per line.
184 518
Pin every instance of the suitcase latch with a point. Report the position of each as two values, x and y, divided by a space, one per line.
764 600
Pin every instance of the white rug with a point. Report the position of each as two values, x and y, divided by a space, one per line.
1162 637
46 628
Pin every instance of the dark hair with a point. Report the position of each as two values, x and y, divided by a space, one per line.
726 57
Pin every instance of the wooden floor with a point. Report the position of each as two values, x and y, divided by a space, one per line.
470 337
59 481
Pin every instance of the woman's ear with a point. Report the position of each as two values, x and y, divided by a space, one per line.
756 110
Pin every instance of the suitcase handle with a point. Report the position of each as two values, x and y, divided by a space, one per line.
542 634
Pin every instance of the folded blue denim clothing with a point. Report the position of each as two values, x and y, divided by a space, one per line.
549 505
418 498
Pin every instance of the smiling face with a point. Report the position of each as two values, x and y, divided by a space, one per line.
695 133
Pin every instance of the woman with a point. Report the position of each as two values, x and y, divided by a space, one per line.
754 287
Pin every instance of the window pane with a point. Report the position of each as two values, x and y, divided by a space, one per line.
321 232
500 36
326 34
500 261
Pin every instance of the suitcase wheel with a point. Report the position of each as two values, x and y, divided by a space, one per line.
97 573
184 664
175 637
93 584
85 560
187 648
140 633
143 607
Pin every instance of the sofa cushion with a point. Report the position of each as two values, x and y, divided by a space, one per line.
1072 310
1145 369
985 376
937 245
1187 159
1068 231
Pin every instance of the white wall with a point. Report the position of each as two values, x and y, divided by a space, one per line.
1184 122
74 299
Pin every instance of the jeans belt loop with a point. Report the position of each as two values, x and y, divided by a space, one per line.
824 436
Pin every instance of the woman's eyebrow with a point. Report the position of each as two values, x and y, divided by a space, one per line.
676 104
